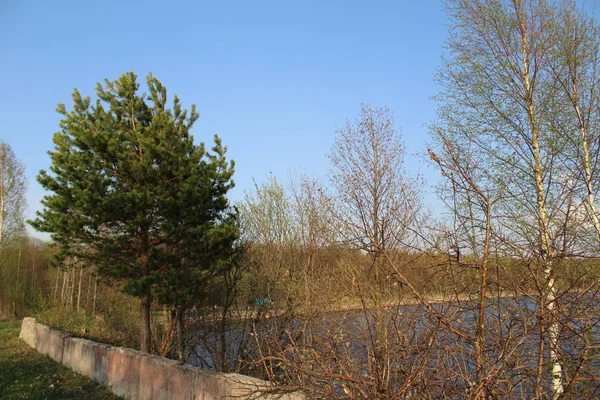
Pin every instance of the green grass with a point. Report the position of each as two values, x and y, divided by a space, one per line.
27 374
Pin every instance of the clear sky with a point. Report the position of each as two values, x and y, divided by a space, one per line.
273 78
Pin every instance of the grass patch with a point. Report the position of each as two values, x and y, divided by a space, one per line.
27 374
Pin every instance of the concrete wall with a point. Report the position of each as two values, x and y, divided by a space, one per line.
137 375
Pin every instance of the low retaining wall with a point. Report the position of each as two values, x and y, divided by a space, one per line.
135 375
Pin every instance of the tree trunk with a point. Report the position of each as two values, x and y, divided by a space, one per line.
223 362
19 264
95 292
546 252
547 259
79 288
87 296
146 302
56 287
72 290
33 277
64 288
145 332
480 338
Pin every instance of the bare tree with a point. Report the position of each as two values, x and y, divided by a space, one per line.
374 196
375 204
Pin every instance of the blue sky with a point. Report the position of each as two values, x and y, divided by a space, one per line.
273 78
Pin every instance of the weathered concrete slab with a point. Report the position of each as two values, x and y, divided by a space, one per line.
181 379
28 333
88 358
50 341
124 371
153 378
162 379
210 385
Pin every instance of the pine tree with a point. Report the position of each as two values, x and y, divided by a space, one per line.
132 193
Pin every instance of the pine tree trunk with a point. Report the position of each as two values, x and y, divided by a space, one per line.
145 335
224 367
146 302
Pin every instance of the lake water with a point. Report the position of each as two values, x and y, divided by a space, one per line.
434 345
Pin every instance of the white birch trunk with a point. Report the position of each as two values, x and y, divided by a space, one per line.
79 288
64 288
95 292
87 296
546 251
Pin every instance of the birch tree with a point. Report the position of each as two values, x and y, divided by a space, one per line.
12 231
576 67
500 88
12 196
